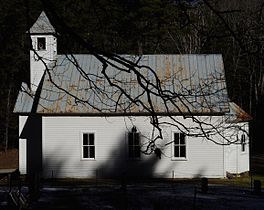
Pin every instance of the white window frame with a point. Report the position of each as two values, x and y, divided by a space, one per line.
128 145
81 145
173 146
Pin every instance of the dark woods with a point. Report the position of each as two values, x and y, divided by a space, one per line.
233 28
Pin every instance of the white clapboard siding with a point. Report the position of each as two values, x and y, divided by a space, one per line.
36 65
22 156
22 146
236 160
61 146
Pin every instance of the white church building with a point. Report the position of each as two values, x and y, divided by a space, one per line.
73 122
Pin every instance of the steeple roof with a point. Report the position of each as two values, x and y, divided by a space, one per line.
42 25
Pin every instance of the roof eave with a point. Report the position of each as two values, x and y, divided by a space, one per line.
122 114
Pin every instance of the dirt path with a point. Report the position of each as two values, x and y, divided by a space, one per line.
9 159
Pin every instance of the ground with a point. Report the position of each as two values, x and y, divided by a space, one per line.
140 195
9 159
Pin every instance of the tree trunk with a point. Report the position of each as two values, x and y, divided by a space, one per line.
7 117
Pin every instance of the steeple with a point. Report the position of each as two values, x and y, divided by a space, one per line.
44 44
42 25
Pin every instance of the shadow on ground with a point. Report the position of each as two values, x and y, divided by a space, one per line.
142 195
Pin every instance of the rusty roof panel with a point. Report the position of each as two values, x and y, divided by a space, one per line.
193 83
237 114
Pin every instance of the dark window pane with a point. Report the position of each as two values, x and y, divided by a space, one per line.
92 152
130 138
182 138
130 151
176 151
243 142
85 152
41 42
137 151
91 139
176 138
136 140
133 145
85 139
182 151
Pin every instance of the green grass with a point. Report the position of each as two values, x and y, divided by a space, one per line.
243 181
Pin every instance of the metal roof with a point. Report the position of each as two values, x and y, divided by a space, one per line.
237 114
194 83
24 101
42 25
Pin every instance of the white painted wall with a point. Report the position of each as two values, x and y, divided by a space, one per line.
30 144
236 160
37 66
62 150
22 144
22 147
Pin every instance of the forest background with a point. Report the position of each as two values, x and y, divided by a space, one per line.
233 28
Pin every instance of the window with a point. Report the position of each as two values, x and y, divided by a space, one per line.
243 143
41 43
88 146
133 144
179 145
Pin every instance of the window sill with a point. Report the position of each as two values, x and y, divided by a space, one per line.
88 159
179 159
